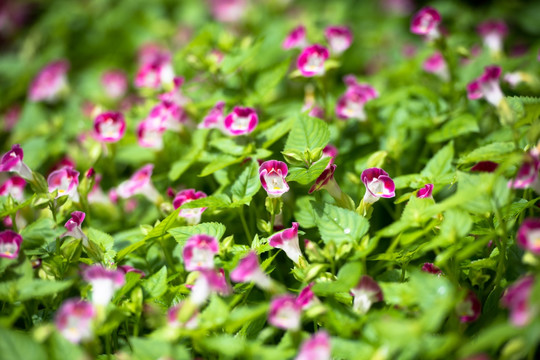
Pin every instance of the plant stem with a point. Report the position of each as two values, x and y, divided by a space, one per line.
168 258
244 224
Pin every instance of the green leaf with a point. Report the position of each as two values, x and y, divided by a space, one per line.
16 345
440 164
461 125
38 288
269 79
225 344
247 184
269 136
347 278
40 233
182 233
212 201
151 349
307 176
219 163
308 133
493 152
156 285
339 225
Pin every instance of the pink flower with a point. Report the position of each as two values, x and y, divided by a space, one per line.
214 118
378 184
296 38
65 181
11 117
64 162
229 11
50 82
425 192
109 126
115 83
104 283
485 166
13 161
175 95
208 282
199 252
156 73
527 176
151 52
317 347
139 183
366 293
174 322
326 181
435 64
168 115
10 244
330 151
487 86
73 225
432 269
127 269
306 297
351 104
426 22
469 309
287 240
528 235
15 187
248 270
74 320
285 312
311 60
339 37
242 120
193 216
517 299
272 174
493 32
150 134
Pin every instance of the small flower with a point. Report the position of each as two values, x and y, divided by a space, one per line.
215 118
248 270
326 181
296 38
13 161
485 166
487 86
65 181
115 83
285 312
435 64
208 282
425 192
287 240
330 151
150 134
317 347
528 235
175 95
242 120
139 183
174 322
493 32
127 269
228 11
469 309
156 73
527 175
351 104
378 184
426 22
432 269
15 187
109 126
310 105
311 60
73 225
339 37
74 320
366 293
168 115
192 216
517 299
10 244
104 283
199 252
50 82
306 298
272 174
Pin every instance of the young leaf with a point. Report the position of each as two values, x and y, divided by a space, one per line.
247 185
182 233
339 225
308 133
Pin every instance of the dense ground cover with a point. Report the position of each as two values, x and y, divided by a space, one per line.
269 179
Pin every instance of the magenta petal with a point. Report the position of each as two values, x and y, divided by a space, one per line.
372 173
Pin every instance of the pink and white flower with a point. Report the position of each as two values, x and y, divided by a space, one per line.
242 120
65 181
151 52
104 283
155 74
311 60
74 320
192 216
150 134
127 269
208 282
493 33
365 294
470 308
174 321
306 298
351 104
516 298
139 183
272 174
175 95
378 184
527 175
50 82
330 151
326 181
228 11
15 187
432 269
115 83
248 270
296 38
528 235
284 312
74 224
199 251
10 244
339 38
287 240
425 192
435 64
317 347
109 126
487 86
426 22
168 115
513 78
13 161
215 118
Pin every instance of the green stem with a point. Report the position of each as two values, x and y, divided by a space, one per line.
168 258
244 224
108 345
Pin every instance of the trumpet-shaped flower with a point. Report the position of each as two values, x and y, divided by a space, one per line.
50 82
326 181
425 192
104 283
74 320
127 269
242 120
493 32
13 186
272 174
248 270
435 64
517 299
115 83
339 38
65 181
487 86
150 134
73 225
351 104
470 308
306 297
287 240
378 184
528 235
285 312
426 22
168 115
208 282
311 60
175 95
296 38
317 347
228 11
215 118
174 321
192 216
139 183
527 175
199 252
10 244
154 74
13 161
366 293
109 126
432 269
330 151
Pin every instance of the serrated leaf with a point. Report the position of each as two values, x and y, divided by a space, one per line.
492 152
339 225
247 184
182 233
227 146
38 288
269 136
440 164
156 285
461 125
308 133
307 176
347 278
219 163
213 201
